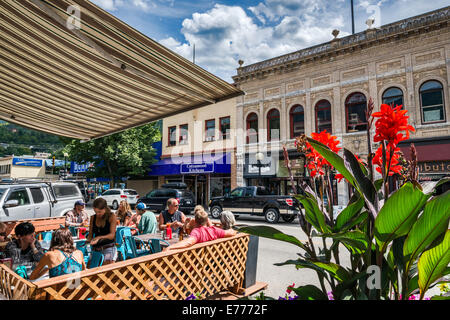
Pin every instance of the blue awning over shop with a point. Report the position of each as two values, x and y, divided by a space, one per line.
196 164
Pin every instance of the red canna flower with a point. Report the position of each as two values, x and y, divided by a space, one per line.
391 121
289 288
378 160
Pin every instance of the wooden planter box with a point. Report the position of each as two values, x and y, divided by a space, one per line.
207 269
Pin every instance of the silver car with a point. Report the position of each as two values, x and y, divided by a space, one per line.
31 200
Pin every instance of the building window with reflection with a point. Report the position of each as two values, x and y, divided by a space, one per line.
172 136
393 96
183 134
210 130
323 116
355 111
432 102
224 127
252 128
297 121
273 125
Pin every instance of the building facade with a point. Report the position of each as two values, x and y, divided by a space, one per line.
198 148
328 86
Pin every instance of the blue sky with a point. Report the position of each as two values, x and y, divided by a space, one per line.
225 31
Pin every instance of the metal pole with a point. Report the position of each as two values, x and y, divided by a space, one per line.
259 171
353 18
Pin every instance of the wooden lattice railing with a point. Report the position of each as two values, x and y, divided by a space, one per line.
206 269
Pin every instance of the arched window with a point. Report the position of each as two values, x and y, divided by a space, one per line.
252 128
355 110
273 125
297 121
393 95
323 116
432 102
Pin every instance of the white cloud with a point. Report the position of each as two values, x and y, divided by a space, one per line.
225 34
106 4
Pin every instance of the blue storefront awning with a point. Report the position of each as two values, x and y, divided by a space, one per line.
196 164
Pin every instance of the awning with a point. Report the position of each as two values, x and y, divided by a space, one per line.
197 164
95 80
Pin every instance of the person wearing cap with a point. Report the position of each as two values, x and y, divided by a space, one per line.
77 217
147 223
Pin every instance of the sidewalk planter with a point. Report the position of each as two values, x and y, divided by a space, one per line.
206 268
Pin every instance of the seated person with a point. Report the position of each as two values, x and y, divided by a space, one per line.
147 223
172 215
62 258
25 248
124 213
202 232
77 217
227 220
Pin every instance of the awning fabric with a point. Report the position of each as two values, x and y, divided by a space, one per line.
196 164
95 80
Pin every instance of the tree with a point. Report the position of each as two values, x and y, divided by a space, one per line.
124 154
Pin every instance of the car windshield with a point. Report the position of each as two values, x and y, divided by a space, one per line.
130 192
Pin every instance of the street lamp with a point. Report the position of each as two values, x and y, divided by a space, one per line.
259 157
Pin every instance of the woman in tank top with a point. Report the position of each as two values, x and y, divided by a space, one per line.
62 257
102 235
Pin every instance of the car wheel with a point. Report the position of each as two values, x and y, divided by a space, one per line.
288 218
215 212
115 205
271 215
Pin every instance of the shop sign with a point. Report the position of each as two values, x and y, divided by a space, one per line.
197 168
434 167
27 162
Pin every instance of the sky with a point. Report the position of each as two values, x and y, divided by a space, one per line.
225 32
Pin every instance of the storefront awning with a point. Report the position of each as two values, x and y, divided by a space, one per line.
91 76
197 164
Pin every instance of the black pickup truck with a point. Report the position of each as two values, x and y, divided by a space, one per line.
256 201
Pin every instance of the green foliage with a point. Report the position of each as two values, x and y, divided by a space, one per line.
127 153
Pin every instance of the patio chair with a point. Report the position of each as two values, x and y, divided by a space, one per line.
47 235
155 244
130 244
81 245
97 259
121 233
73 230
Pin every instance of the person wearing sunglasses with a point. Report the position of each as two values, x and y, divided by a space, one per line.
171 215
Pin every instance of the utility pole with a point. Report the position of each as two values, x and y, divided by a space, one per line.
353 18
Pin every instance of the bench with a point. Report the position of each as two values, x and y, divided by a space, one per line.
213 270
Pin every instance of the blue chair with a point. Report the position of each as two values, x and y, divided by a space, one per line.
124 251
97 259
73 230
47 235
155 244
81 245
130 244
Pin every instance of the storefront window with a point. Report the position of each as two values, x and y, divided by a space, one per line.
184 134
273 125
225 128
432 102
393 96
323 116
297 121
219 186
210 130
252 128
355 107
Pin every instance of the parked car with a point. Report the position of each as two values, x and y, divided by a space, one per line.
256 201
156 200
114 196
29 200
82 185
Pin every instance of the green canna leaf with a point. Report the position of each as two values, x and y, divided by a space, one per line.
431 224
272 233
345 216
433 264
356 241
313 214
398 214
309 292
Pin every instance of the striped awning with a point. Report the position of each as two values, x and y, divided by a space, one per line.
93 76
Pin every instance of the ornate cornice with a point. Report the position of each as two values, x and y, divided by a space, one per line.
370 37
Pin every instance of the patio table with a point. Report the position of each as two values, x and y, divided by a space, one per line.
147 236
